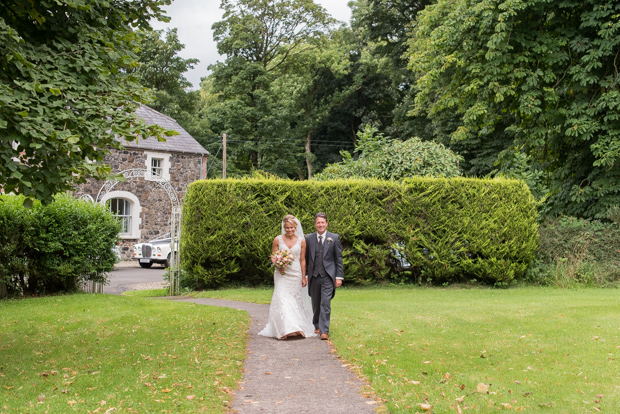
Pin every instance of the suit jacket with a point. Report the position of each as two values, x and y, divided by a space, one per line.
332 257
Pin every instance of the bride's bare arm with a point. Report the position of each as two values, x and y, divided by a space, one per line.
274 247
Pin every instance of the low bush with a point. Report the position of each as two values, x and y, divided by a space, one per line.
425 230
383 158
574 252
54 248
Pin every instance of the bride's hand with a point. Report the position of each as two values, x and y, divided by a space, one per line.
304 281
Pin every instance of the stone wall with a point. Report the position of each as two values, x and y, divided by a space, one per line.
154 219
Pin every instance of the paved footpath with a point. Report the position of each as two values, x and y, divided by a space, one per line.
293 375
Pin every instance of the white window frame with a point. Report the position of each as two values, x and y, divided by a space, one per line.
157 166
125 218
165 165
133 232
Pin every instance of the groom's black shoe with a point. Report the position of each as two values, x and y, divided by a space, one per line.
324 337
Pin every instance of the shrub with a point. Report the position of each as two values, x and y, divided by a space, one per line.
575 251
394 160
448 229
53 248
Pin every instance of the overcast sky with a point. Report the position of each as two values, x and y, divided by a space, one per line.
194 18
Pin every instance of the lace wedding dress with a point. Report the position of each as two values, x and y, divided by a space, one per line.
291 310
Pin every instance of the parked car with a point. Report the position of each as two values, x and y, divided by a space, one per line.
154 251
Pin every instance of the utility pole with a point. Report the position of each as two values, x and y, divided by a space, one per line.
224 156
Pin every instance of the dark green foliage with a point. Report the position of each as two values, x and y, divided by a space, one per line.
161 69
448 229
542 74
65 92
50 249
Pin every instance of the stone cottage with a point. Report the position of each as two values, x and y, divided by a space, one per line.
142 203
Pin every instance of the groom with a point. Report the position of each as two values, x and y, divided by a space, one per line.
324 272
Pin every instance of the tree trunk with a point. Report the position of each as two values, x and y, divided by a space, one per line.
308 155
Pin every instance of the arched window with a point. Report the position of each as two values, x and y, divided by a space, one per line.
126 207
121 208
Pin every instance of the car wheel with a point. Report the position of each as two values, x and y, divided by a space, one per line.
146 265
167 262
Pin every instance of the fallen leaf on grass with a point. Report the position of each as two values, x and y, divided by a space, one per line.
166 390
72 403
190 397
425 407
458 409
506 405
482 388
371 402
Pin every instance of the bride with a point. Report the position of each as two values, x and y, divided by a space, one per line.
290 312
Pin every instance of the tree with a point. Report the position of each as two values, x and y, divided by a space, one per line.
261 40
384 158
162 69
65 92
543 73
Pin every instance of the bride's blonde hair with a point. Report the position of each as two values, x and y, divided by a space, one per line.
289 218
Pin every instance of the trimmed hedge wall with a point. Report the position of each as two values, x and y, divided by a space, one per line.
51 249
449 230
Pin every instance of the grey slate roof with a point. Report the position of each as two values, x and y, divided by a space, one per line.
183 142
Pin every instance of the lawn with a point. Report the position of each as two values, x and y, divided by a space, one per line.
479 350
103 353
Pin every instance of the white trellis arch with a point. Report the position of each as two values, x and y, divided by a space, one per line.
175 218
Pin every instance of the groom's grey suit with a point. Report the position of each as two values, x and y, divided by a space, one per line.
322 271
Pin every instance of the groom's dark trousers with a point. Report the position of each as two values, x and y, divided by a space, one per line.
322 291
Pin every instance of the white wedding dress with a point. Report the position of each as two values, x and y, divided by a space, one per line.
290 310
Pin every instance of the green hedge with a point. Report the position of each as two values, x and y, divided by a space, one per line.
449 230
51 249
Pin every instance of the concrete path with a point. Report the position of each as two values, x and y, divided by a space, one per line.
127 277
293 375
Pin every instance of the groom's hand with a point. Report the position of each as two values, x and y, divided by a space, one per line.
338 283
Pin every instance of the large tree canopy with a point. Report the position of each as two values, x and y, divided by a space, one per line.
262 41
544 73
65 91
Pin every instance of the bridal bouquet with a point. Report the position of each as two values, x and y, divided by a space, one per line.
281 259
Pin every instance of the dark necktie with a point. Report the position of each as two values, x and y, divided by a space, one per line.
321 240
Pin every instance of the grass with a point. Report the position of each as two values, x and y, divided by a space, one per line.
103 353
255 295
536 349
147 293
